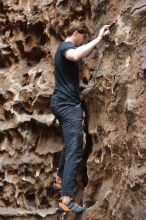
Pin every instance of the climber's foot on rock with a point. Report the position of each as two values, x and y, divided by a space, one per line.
71 207
57 186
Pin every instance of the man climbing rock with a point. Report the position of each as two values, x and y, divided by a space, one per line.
66 106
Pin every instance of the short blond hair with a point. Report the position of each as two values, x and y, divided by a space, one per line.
80 26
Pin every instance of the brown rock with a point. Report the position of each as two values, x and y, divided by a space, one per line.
111 181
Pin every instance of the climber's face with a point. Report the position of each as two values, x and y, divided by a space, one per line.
80 38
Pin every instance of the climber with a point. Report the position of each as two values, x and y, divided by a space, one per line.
66 106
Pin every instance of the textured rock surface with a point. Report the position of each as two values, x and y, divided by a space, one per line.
113 185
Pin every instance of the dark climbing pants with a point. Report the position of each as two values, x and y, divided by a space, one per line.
70 118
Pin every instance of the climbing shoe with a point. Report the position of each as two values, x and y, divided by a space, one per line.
57 186
71 207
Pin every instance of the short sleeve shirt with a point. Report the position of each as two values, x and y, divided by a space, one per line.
66 74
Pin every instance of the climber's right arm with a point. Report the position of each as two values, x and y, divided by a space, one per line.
82 51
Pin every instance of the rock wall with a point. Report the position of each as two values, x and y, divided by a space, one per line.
113 182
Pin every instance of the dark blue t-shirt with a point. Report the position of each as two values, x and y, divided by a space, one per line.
66 74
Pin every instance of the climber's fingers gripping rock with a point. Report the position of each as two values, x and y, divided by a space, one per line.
104 31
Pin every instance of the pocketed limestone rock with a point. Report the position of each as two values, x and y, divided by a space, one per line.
112 176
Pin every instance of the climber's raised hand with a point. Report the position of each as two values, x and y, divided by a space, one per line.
104 31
